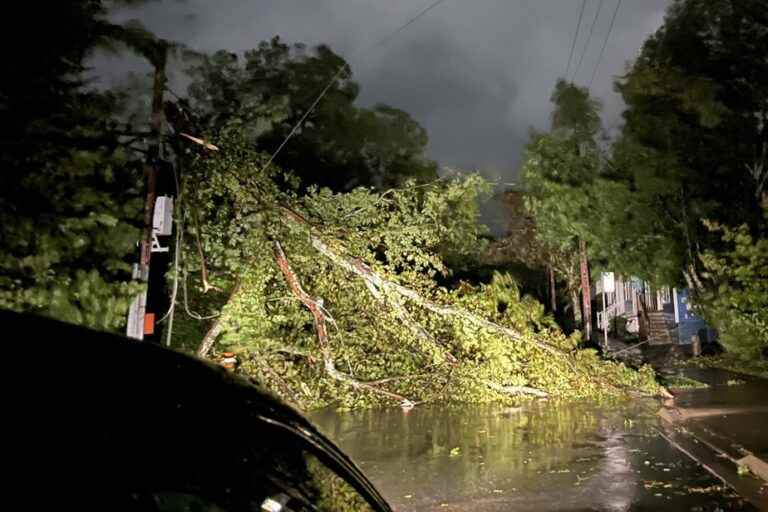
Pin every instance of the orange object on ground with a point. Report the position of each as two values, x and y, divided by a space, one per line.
149 323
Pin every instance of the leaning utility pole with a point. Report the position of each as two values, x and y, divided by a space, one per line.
586 294
137 315
153 157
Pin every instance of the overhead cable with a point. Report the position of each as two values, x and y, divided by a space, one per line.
589 38
575 37
605 43
384 40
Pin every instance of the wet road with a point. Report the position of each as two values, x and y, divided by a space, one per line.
730 391
547 456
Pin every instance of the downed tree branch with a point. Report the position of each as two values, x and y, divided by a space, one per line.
210 337
292 395
207 145
319 319
517 390
375 282
416 328
357 267
398 378
201 253
331 370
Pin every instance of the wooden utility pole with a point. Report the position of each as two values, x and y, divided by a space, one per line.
552 290
605 321
138 323
153 157
586 295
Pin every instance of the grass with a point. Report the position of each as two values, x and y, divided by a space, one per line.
682 382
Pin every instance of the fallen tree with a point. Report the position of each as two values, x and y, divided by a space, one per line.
319 316
356 317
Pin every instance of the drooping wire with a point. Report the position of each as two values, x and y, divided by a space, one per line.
177 254
340 71
605 43
575 37
179 230
589 38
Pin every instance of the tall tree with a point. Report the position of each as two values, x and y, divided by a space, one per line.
522 245
693 147
559 169
696 124
70 187
267 91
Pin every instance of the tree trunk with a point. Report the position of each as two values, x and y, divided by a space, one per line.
319 319
210 337
576 304
552 290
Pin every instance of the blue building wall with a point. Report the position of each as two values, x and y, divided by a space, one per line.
689 324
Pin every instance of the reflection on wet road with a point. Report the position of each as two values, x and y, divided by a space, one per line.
546 456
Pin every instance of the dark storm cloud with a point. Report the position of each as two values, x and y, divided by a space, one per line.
442 86
477 74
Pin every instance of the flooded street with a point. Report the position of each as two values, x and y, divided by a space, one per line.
545 456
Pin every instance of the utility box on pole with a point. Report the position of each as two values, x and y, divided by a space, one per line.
162 222
608 285
136 313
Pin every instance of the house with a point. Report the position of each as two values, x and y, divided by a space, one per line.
658 314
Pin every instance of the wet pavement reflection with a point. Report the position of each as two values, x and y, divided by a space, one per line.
543 456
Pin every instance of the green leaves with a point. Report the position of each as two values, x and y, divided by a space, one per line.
264 94
576 114
70 201
406 235
735 300
690 130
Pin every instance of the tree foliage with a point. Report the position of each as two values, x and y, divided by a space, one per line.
469 343
735 298
693 147
265 93
326 291
693 126
69 190
560 170
523 251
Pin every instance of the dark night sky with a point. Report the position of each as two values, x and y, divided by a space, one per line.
476 73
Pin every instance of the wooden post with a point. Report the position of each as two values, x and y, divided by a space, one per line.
605 322
586 295
137 312
696 346
153 154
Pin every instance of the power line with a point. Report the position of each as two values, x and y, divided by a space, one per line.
586 45
605 43
575 36
384 40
